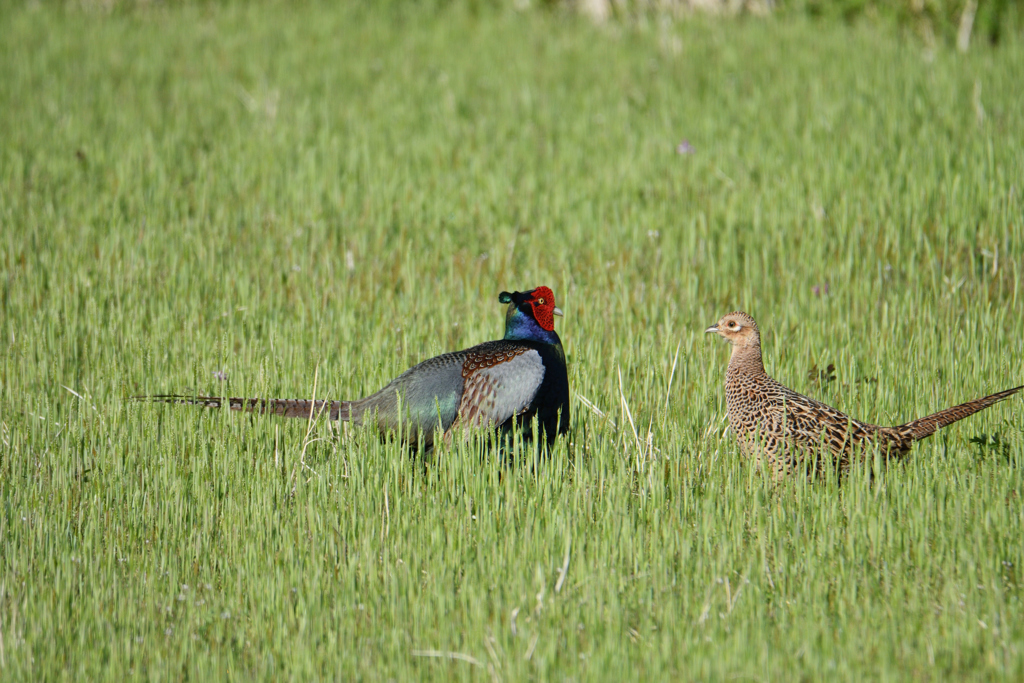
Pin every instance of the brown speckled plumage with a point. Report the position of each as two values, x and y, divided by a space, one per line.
784 428
478 359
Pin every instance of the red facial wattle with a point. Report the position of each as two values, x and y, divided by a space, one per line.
543 313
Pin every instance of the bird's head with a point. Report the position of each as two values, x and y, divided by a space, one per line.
737 328
530 314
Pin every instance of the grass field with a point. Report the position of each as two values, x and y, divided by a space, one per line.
314 198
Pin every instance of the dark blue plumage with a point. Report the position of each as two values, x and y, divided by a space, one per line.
504 384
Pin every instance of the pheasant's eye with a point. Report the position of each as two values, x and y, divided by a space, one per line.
541 301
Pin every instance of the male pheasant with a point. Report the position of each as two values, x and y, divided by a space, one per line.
503 384
776 423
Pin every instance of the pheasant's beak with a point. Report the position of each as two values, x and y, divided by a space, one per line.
558 312
713 328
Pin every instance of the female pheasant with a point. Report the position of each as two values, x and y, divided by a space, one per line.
782 426
503 384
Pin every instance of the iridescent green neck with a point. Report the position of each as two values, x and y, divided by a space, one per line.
522 326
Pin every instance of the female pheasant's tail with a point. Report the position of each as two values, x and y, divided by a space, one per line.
285 407
926 426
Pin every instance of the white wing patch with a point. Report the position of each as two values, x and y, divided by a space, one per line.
494 394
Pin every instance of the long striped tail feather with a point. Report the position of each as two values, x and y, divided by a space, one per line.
285 407
928 425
